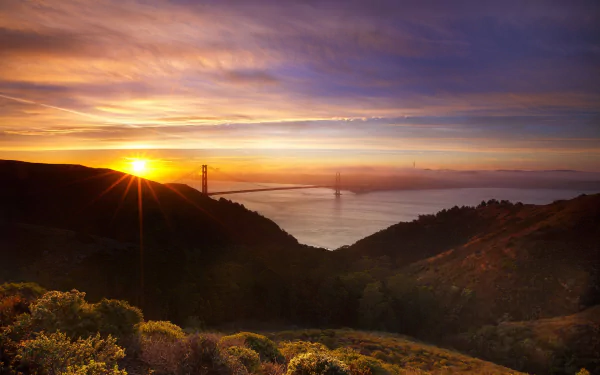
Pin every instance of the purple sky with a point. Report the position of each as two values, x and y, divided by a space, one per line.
461 84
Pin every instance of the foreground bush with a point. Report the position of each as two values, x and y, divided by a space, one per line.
68 312
291 349
195 354
359 364
161 330
15 299
317 364
57 354
28 291
266 349
248 357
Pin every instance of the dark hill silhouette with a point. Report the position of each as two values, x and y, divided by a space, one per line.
105 203
65 227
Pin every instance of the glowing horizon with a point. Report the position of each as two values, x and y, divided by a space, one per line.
284 86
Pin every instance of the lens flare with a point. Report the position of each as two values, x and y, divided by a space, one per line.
138 166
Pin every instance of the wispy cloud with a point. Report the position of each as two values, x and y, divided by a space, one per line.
429 76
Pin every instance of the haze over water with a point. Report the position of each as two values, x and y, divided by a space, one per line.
317 218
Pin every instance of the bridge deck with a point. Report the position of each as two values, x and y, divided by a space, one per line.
267 189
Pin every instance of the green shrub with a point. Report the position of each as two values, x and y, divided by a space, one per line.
248 357
29 291
291 349
160 330
63 311
117 318
317 364
10 308
266 349
68 312
57 354
359 364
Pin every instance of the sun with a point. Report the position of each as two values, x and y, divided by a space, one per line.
138 166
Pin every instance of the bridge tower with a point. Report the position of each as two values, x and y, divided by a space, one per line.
338 184
204 179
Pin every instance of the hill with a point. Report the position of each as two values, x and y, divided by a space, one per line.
559 344
68 226
209 263
108 203
520 261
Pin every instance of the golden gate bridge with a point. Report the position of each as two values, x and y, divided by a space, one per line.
193 176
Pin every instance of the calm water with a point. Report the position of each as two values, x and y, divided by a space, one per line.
316 217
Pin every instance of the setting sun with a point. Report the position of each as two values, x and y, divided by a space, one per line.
138 166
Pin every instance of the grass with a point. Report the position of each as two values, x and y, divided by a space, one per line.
396 350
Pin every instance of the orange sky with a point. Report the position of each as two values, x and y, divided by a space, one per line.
294 87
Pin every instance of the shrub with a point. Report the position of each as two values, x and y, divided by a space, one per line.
117 318
15 299
161 330
29 291
270 368
63 311
266 349
359 364
317 364
194 354
204 356
10 308
248 357
291 349
57 354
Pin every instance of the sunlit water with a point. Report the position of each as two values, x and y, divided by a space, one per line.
316 217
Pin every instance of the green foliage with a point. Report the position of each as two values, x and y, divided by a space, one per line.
15 299
161 330
379 352
68 312
57 354
317 364
116 317
29 291
373 305
248 357
291 349
359 364
10 308
266 348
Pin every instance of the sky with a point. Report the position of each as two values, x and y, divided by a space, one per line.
301 85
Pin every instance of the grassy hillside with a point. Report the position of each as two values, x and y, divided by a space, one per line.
396 350
560 344
62 333
534 262
516 262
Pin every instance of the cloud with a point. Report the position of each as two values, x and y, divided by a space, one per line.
266 73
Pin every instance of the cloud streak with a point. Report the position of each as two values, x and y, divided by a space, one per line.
429 76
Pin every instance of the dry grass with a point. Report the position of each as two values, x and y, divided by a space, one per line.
414 357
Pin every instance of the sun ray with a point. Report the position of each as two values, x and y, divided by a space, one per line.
123 198
103 193
141 225
195 205
160 207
